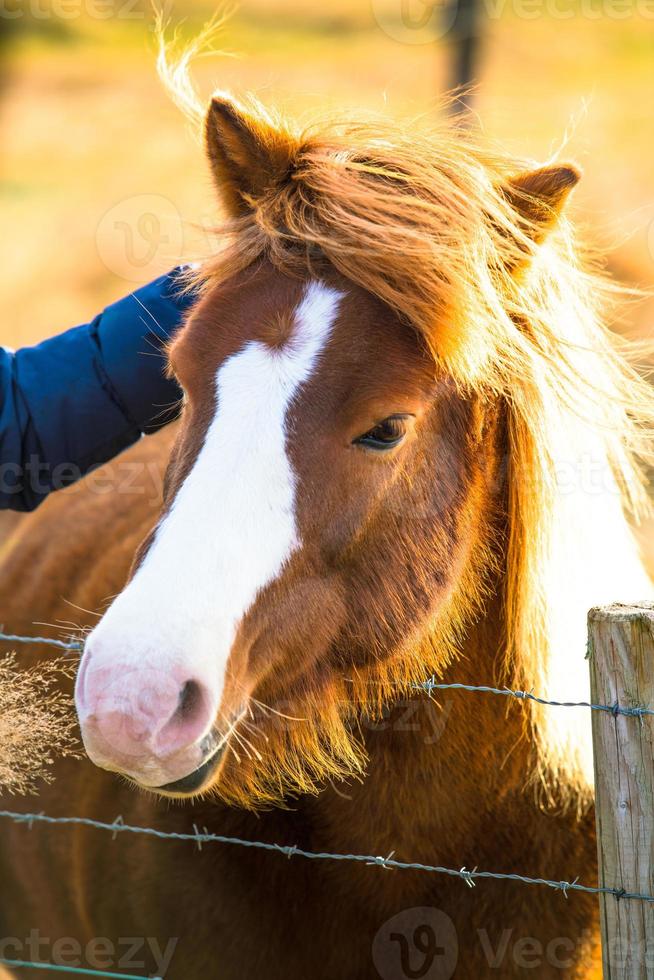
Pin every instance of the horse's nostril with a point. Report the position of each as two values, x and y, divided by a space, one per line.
190 720
190 700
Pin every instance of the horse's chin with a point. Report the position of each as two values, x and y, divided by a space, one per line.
211 758
195 783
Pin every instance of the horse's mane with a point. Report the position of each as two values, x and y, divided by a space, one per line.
421 217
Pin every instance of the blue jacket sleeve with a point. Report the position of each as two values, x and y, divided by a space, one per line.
74 401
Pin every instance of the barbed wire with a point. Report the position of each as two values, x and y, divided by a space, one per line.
76 645
429 685
615 709
79 970
200 837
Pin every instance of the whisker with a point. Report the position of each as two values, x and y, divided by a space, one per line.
254 728
344 796
151 315
241 742
167 410
59 627
246 742
147 353
90 612
68 630
266 707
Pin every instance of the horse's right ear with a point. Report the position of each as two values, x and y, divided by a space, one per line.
248 152
539 197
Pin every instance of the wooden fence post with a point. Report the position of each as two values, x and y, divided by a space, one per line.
621 654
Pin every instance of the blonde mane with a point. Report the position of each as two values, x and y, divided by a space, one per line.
420 216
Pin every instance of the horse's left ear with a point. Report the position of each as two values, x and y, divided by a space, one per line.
248 152
539 197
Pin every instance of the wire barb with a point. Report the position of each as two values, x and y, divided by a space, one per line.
468 877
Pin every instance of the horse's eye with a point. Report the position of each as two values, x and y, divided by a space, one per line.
385 435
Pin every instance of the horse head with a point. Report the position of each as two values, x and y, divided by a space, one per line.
339 498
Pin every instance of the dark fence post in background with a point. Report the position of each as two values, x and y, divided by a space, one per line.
621 654
466 18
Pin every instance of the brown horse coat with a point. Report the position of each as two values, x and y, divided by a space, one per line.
444 784
419 371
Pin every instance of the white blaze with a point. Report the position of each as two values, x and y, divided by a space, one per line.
232 524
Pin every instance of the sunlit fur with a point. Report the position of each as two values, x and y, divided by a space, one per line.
428 220
312 737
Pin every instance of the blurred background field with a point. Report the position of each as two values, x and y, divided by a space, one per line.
102 182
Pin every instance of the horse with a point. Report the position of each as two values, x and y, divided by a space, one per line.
408 448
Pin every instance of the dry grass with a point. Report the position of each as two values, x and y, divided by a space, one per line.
37 723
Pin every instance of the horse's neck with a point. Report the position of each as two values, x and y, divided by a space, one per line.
432 760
